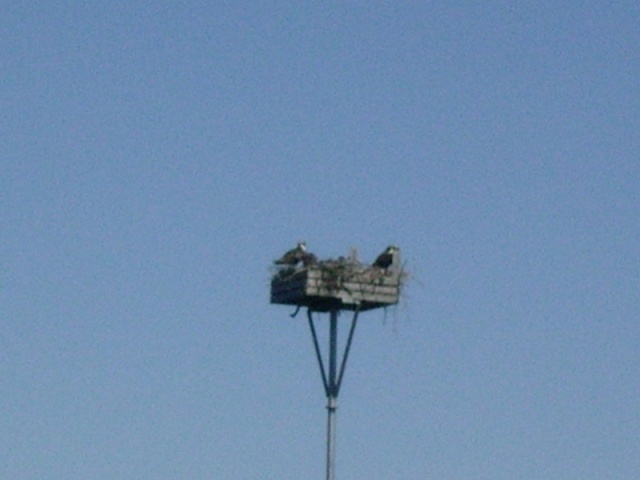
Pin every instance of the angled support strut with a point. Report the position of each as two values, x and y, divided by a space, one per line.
332 377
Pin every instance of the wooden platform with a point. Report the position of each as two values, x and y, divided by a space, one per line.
336 286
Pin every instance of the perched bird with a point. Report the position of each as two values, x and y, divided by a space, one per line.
385 259
309 258
294 256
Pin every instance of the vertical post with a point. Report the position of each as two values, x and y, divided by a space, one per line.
332 395
331 437
332 378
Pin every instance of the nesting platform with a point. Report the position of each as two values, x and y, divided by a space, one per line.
336 285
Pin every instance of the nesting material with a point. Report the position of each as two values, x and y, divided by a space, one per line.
342 284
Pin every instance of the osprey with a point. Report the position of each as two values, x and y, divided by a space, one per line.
385 259
293 256
309 258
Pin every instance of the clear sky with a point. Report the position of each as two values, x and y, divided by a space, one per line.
155 157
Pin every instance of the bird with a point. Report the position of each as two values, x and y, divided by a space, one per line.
385 259
293 256
308 259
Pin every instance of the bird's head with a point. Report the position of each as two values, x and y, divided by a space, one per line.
302 246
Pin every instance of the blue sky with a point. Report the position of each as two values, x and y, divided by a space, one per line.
155 157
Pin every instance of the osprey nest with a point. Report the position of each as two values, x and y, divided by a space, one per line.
302 280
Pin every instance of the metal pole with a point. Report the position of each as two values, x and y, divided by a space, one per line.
332 395
332 379
332 405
